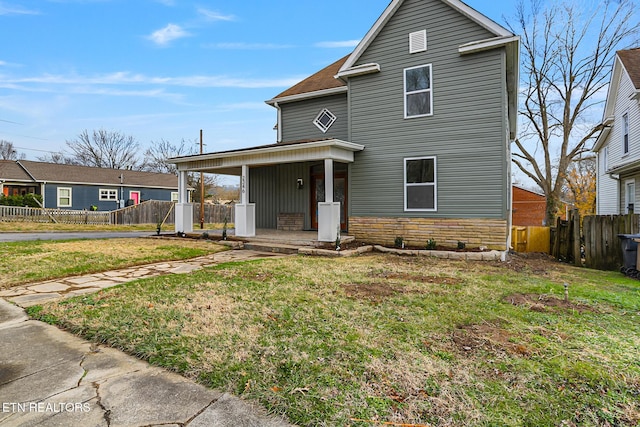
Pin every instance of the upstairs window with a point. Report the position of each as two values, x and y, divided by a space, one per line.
420 193
324 120
625 133
418 99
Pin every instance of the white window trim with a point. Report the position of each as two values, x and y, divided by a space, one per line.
70 197
435 184
625 132
109 191
430 90
626 195
320 125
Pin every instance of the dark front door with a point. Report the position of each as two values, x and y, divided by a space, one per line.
339 195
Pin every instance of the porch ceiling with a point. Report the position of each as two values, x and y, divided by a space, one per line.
231 162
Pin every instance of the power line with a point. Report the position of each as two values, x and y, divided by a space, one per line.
35 149
9 121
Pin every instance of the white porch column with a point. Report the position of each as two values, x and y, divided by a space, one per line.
184 209
245 222
328 211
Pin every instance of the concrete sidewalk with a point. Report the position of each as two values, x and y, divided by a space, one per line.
52 378
49 377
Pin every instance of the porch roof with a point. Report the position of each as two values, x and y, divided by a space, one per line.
231 162
625 168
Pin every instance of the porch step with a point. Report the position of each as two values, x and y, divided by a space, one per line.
277 248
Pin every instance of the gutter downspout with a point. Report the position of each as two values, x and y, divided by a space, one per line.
279 131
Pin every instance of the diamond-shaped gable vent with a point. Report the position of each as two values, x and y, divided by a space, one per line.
324 120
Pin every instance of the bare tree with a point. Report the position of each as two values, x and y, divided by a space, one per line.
8 151
567 56
105 149
58 158
155 158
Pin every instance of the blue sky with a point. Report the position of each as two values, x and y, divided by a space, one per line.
157 69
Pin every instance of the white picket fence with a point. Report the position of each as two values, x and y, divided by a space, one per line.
62 216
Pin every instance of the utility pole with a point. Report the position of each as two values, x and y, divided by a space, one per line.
201 190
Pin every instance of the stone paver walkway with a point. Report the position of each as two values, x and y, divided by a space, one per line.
38 293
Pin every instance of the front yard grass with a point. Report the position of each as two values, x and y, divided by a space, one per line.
386 339
34 227
33 261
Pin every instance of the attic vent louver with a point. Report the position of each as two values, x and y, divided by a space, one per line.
324 120
418 41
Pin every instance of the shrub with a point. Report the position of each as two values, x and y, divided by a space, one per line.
398 242
30 200
431 244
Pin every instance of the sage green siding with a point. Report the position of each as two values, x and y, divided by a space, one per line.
298 117
467 132
273 189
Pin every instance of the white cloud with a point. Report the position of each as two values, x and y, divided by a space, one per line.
247 46
211 15
338 44
167 34
9 64
7 9
20 83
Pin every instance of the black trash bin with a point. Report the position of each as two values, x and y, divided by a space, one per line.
629 252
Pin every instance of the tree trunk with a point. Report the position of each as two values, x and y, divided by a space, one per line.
551 213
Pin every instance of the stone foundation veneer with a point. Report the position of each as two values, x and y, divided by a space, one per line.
491 233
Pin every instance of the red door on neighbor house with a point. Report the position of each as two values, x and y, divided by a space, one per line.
135 196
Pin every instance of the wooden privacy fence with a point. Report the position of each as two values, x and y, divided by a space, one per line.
62 216
154 211
592 242
602 246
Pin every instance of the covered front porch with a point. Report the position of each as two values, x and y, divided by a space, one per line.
304 182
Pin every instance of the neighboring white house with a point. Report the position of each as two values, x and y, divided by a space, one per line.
618 146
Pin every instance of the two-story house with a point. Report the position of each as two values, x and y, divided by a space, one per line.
618 145
408 136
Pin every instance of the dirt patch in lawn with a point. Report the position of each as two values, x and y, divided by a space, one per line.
373 292
547 303
438 280
488 337
537 263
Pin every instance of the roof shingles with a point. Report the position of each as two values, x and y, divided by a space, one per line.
631 61
323 79
52 172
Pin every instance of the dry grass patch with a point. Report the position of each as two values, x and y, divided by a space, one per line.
32 227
